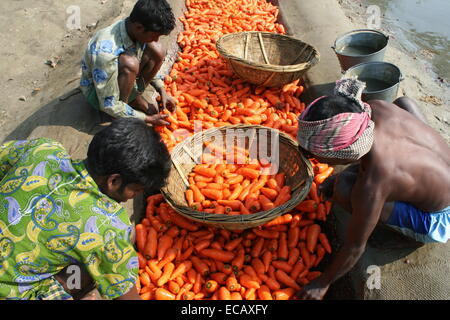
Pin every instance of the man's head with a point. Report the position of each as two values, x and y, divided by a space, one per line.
151 19
331 127
127 158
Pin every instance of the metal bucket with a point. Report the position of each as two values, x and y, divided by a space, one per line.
358 46
382 80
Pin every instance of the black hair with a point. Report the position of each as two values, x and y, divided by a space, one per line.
330 106
134 150
154 15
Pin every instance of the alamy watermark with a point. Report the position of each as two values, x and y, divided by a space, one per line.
374 280
374 17
73 21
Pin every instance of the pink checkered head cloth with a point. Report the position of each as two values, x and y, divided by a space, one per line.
346 136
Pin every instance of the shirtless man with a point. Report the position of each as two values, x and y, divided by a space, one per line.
400 176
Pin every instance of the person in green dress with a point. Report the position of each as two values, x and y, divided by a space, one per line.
56 212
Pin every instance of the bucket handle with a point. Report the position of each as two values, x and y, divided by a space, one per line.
357 30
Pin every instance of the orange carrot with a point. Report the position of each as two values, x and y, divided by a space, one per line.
163 294
325 243
312 235
285 279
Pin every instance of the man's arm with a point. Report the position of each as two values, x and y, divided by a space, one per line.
367 202
132 294
105 74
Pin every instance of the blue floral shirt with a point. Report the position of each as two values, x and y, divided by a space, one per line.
100 69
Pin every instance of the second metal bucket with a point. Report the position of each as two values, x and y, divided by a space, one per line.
358 46
382 80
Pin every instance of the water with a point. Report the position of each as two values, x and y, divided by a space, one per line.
373 85
357 50
424 25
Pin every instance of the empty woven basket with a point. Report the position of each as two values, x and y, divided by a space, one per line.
265 58
187 154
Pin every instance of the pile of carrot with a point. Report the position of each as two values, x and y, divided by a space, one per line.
208 93
234 189
180 259
183 260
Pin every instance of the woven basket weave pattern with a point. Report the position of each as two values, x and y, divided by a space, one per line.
265 58
298 171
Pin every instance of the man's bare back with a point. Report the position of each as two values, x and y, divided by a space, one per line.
408 159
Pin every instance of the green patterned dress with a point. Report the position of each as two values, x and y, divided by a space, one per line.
52 214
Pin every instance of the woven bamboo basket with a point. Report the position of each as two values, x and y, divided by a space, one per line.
187 154
265 58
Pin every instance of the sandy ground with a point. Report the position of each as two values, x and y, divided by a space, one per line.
34 93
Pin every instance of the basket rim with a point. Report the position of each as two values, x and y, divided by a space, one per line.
265 67
254 219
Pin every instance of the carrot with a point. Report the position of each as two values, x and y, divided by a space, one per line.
203 244
150 249
163 294
231 245
189 197
293 237
298 267
246 281
232 284
233 204
266 259
211 286
307 206
142 260
294 254
306 257
164 243
284 294
258 266
219 277
167 272
170 255
266 234
141 237
325 243
313 275
319 178
264 293
272 283
266 203
285 279
145 279
182 268
282 265
282 247
224 294
221 255
238 260
256 249
320 254
249 173
283 196
269 193
186 254
321 212
212 194
313 195
235 296
312 235
198 196
200 266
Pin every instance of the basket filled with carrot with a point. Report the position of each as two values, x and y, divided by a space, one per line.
266 58
237 177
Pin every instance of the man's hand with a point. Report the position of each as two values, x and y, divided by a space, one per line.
157 120
314 290
167 101
141 104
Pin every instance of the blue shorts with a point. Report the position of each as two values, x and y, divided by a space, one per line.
422 226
